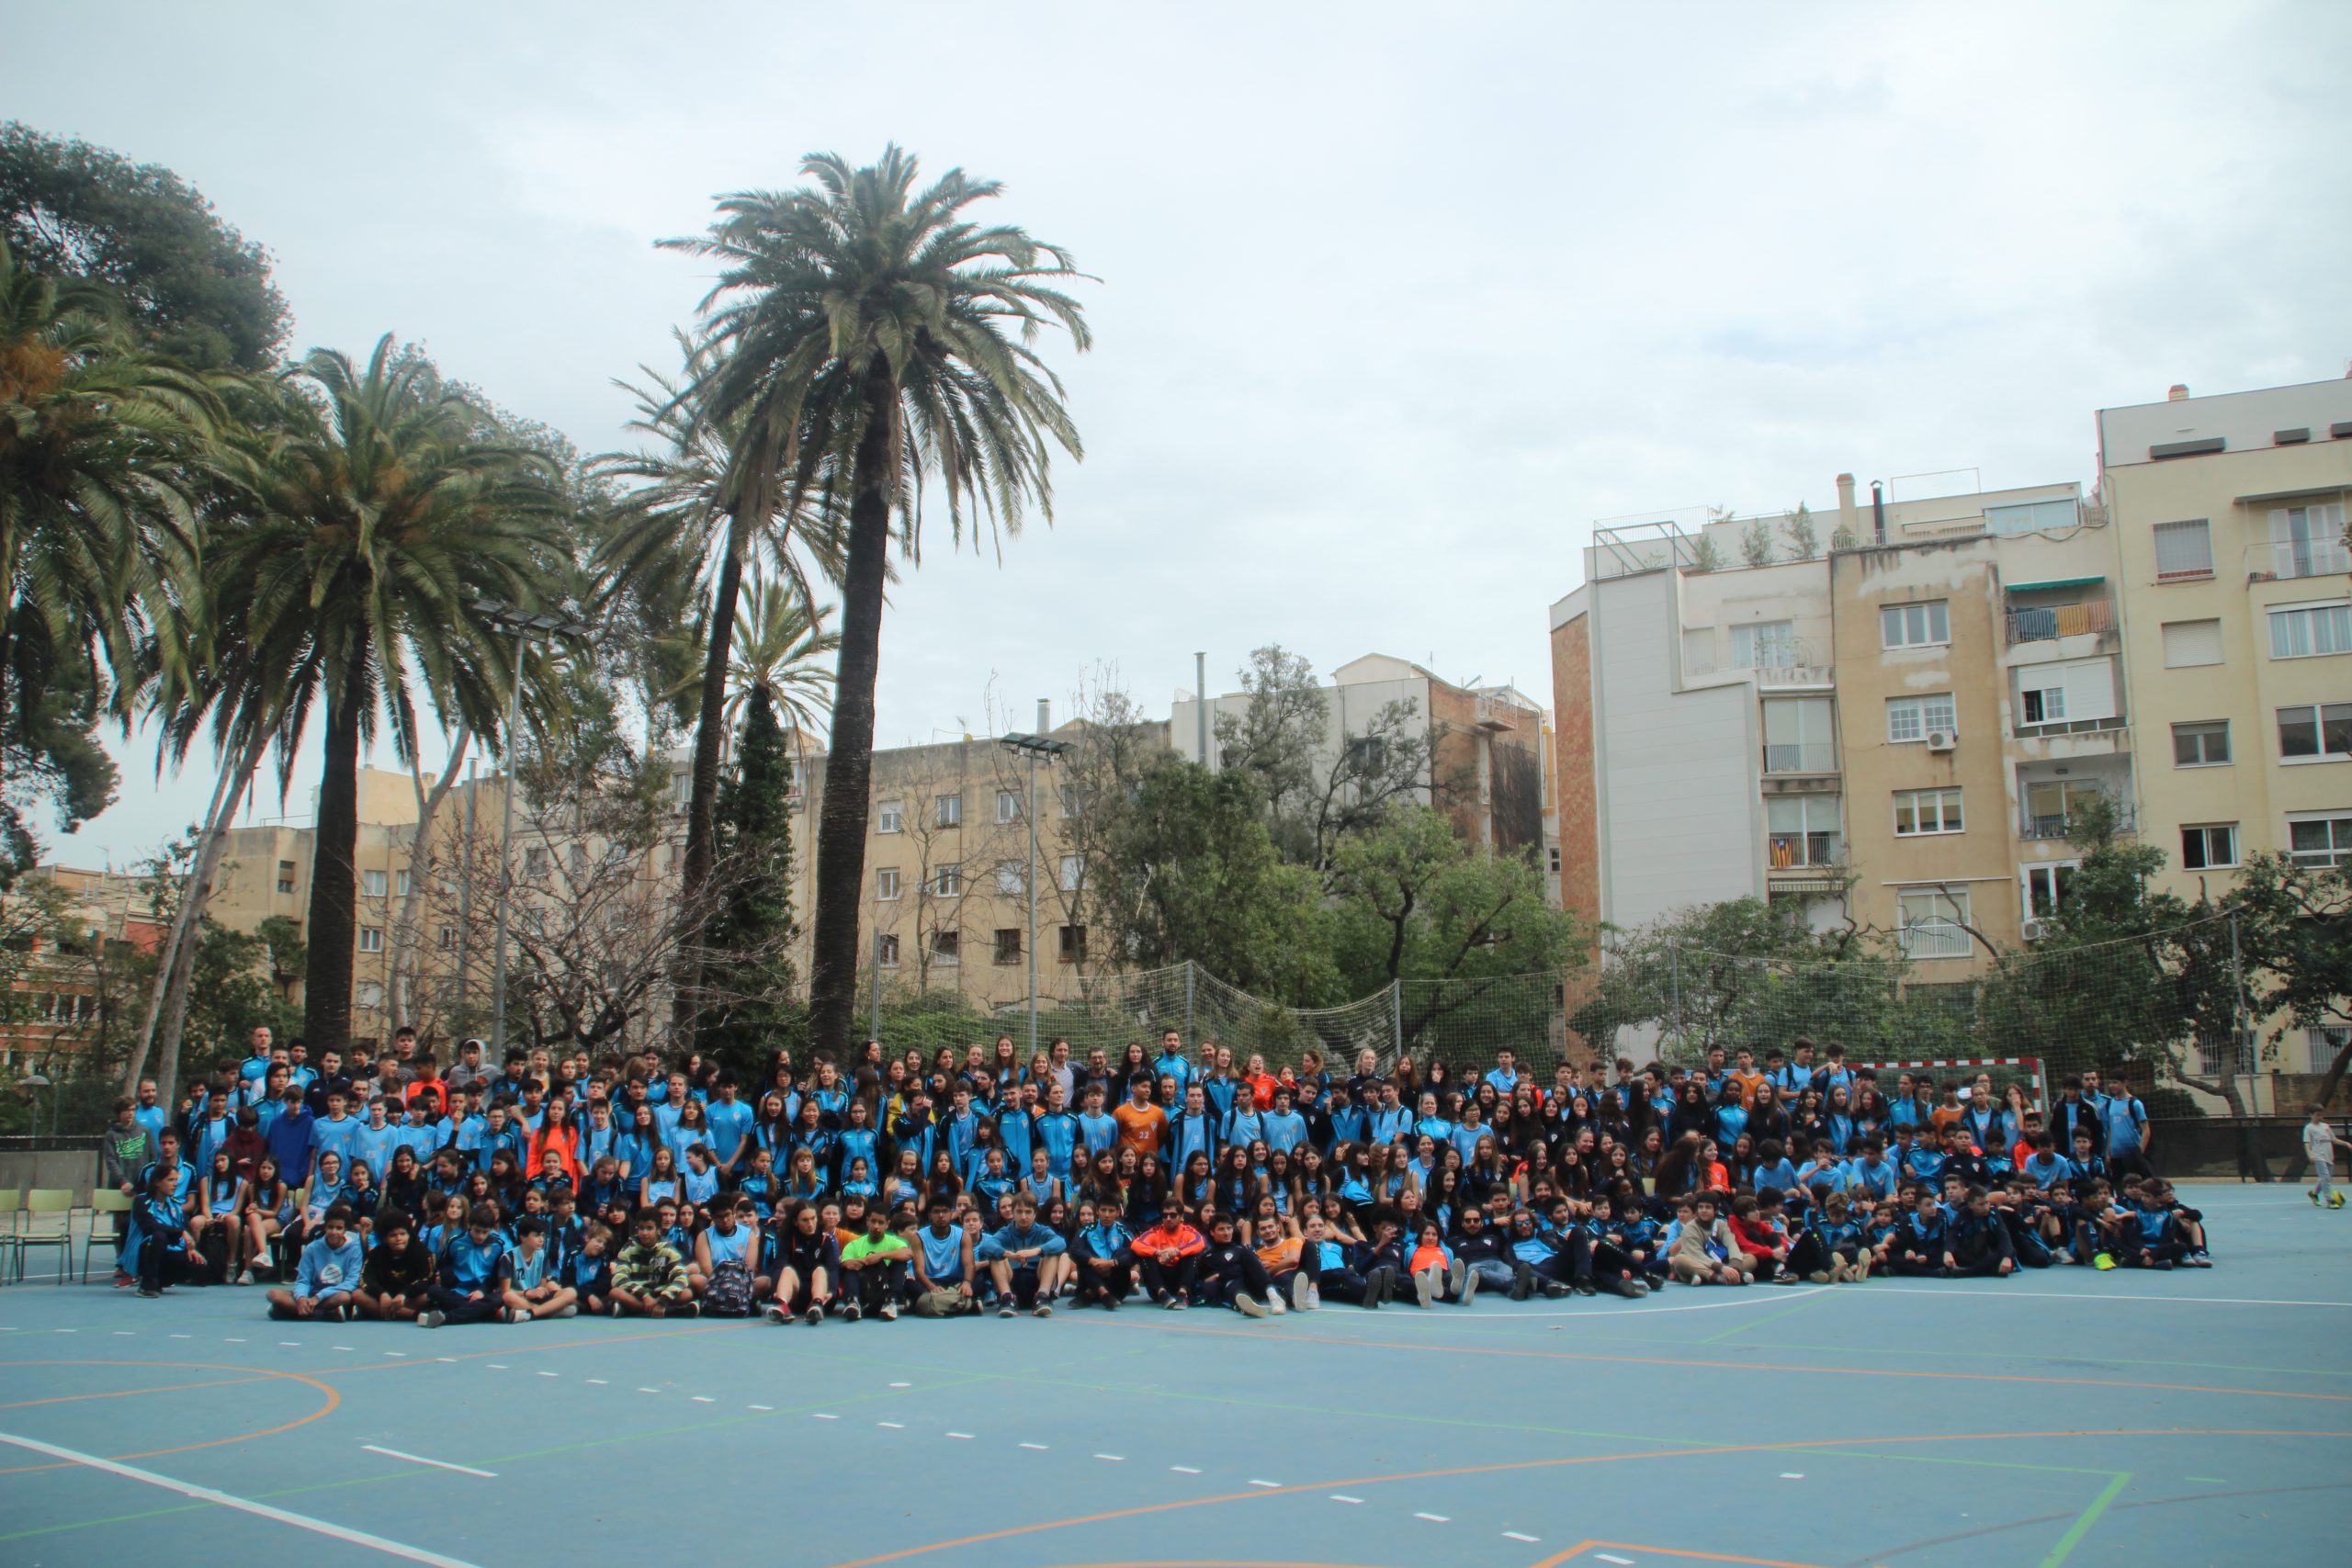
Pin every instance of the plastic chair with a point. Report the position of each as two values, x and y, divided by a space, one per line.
105 1201
42 1203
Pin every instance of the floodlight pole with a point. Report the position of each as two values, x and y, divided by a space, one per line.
1034 747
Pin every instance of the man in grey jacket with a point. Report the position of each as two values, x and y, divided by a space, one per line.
125 1148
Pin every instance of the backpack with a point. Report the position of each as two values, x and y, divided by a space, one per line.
728 1293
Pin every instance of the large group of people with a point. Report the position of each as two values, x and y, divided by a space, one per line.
396 1187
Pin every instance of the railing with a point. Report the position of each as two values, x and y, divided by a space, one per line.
1806 851
2323 555
1796 675
2047 623
1936 939
2068 726
1802 757
2032 824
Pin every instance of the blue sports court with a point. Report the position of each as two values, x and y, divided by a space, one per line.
2063 1417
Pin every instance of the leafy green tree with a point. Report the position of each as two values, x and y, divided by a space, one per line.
2297 921
875 341
747 975
381 516
1190 871
97 533
198 291
1756 543
1805 538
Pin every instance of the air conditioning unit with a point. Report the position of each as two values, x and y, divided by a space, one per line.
1940 739
2032 930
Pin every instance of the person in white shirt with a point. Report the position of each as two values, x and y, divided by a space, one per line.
2320 1144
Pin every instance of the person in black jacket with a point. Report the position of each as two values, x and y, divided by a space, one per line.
1226 1273
397 1274
1975 1240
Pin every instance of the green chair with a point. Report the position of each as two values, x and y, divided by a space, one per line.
48 1223
105 1201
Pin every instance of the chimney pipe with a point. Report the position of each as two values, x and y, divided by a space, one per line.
2179 393
1201 705
1044 716
1846 503
1878 510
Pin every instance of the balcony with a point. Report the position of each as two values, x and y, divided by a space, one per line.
2047 623
2032 824
1800 756
2114 725
1805 852
2323 555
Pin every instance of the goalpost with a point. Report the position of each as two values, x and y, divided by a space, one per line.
2003 1068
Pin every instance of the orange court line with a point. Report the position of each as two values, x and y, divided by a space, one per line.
1583 1546
127 1392
334 1399
1744 1366
1508 1465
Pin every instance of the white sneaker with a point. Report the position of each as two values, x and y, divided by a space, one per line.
245 1278
1275 1304
1424 1286
1301 1292
1249 1306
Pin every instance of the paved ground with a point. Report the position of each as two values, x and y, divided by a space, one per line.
2066 1418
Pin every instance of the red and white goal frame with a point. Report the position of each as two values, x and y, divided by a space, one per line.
1972 1066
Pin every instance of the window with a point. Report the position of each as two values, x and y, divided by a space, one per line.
1915 625
2318 840
1800 736
2184 551
1933 921
1923 811
368 993
1008 944
2306 631
1555 862
1073 945
2315 732
885 883
448 938
1068 794
890 817
1803 830
2205 744
535 861
578 856
371 883
1008 805
948 881
1764 645
1073 872
1910 718
950 810
2040 702
947 948
286 876
2308 541
1012 879
371 939
2191 643
2045 884
1367 755
402 882
886 951
2209 848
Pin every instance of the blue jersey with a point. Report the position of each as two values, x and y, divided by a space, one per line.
1057 1132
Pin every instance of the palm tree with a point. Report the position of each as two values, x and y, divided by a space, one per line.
688 502
384 508
97 515
782 648
873 339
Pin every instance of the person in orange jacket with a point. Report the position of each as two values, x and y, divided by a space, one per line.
1163 1251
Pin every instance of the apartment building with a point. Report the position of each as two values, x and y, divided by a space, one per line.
1489 746
2230 511
100 917
1888 730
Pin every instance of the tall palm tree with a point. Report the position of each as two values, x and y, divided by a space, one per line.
97 442
782 648
689 501
384 507
875 339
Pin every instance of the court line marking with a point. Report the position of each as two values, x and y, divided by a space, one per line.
1514 1535
435 1463
1583 1546
1434 1519
241 1505
1576 1461
2086 1519
333 1400
1878 1290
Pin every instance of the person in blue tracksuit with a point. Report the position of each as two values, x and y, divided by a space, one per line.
326 1275
159 1249
474 1271
1104 1257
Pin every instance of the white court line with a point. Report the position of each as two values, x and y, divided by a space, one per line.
1272 1484
245 1505
1114 1459
550 1374
603 1381
1973 1297
894 1425
1184 1469
1620 1562
1434 1519
699 1399
1514 1535
1745 1300
823 1418
435 1463
961 1437
1792 1475
1335 1498
1038 1446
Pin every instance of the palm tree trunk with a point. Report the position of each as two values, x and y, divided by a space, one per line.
849 764
405 934
710 729
167 1005
335 877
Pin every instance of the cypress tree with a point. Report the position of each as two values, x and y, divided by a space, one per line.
747 965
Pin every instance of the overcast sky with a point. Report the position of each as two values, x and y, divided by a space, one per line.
1396 300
